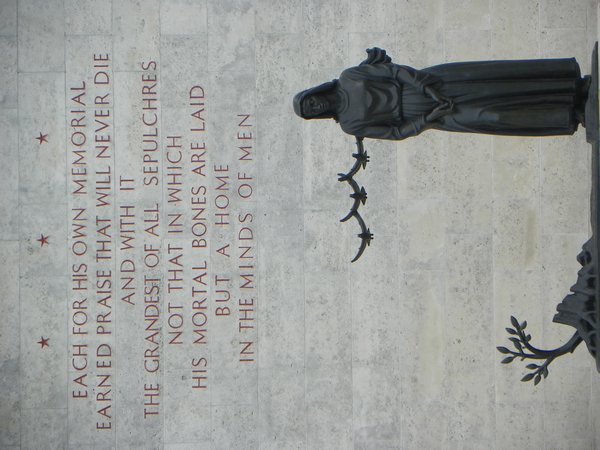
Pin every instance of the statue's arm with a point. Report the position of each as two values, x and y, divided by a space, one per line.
418 79
409 128
423 82
413 127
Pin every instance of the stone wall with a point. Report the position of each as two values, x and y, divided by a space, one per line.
175 274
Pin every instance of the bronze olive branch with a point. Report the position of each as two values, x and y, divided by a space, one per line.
524 350
359 195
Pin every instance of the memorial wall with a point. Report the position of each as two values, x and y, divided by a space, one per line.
174 271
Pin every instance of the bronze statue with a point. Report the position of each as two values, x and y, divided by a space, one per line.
382 100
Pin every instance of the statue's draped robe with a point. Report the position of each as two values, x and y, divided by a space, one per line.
521 98
578 309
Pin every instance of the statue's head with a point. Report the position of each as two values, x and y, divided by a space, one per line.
317 102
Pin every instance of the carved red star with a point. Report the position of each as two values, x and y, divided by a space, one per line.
43 240
42 138
44 342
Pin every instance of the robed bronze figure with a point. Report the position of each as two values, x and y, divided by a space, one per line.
382 100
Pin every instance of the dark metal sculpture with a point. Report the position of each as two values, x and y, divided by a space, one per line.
524 350
382 100
359 195
580 309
